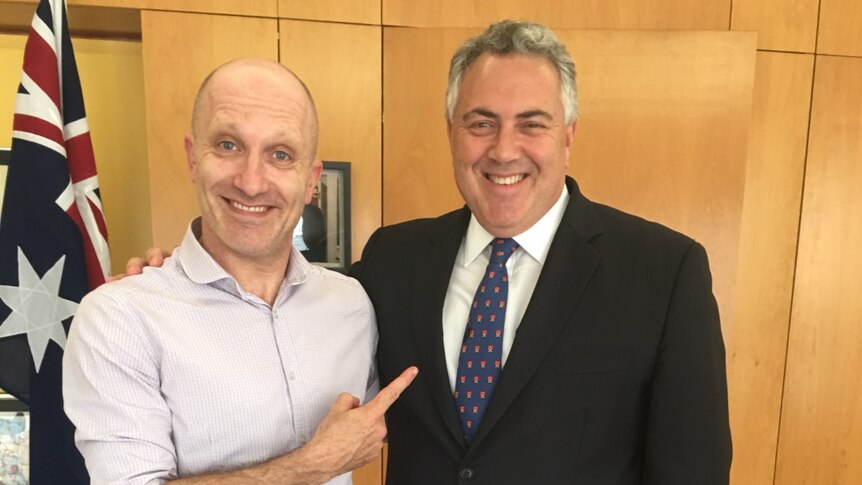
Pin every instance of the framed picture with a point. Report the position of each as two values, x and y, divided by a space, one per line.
323 232
14 441
9 404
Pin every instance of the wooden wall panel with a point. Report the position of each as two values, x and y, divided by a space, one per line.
12 59
840 31
820 438
370 474
352 11
784 25
180 49
664 135
661 135
417 165
252 8
114 23
11 56
560 14
112 81
756 349
341 64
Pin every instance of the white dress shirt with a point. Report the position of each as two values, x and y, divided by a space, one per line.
524 267
179 371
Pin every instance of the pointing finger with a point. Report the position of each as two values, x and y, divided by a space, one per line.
389 394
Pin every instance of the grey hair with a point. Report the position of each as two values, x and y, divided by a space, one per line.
521 38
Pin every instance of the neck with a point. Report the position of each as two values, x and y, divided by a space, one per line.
262 279
261 276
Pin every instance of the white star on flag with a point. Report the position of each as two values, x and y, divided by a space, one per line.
37 308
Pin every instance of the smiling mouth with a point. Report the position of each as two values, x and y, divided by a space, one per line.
245 208
508 180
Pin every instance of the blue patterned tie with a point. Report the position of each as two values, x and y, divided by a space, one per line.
480 361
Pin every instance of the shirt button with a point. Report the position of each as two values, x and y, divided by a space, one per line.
467 474
291 375
275 314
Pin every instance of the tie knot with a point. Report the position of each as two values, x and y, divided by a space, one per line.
501 249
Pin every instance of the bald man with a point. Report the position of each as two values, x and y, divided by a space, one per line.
237 361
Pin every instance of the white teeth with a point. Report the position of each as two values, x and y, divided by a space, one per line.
257 208
511 179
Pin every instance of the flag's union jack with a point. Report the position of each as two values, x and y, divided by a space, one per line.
53 239
49 111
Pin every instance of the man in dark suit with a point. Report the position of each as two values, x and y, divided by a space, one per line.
604 361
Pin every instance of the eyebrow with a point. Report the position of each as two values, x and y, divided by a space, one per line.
535 113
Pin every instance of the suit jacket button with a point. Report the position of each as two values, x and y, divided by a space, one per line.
467 474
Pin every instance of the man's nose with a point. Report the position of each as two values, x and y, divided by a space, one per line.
507 145
251 178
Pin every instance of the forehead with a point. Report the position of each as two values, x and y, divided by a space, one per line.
263 99
492 82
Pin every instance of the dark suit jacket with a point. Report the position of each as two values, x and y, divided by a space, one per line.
616 375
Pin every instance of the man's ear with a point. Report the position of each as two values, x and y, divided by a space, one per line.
190 157
316 171
570 134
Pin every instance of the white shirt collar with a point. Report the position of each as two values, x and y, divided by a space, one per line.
536 241
201 268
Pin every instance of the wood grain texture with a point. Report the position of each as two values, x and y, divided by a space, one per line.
112 81
563 14
180 49
113 23
341 65
783 25
417 170
840 31
660 134
664 137
820 438
251 8
756 349
351 11
370 474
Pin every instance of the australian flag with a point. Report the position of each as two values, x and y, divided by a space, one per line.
53 240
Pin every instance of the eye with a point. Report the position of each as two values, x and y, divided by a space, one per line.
281 155
481 127
227 145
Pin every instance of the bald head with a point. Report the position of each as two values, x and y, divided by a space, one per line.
254 70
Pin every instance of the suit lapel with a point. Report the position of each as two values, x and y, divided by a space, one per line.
568 268
433 270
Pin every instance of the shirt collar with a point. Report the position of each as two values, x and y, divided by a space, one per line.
536 241
195 260
201 268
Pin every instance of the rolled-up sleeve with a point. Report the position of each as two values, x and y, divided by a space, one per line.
112 395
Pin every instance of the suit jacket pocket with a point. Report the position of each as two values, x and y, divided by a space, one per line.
595 363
